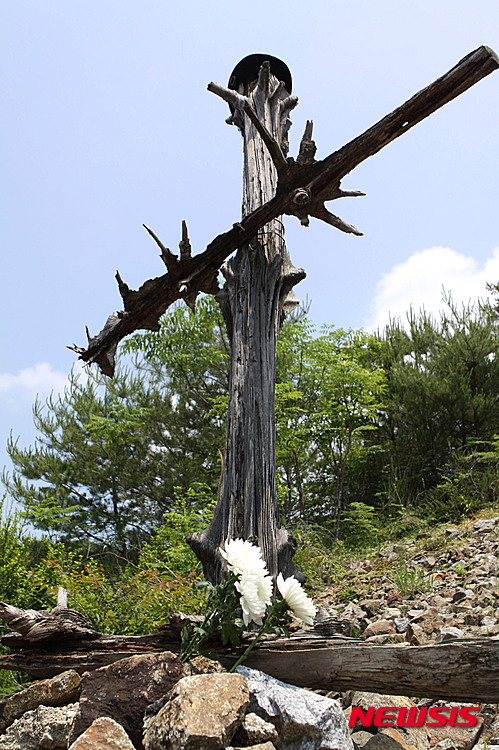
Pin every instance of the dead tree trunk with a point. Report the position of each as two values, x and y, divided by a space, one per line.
254 301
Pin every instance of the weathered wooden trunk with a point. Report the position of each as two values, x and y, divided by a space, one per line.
255 299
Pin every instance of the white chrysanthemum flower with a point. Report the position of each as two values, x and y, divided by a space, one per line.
243 557
301 604
256 595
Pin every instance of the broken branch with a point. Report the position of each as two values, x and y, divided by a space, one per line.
239 101
303 187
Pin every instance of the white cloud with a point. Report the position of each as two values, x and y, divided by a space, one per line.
420 281
40 380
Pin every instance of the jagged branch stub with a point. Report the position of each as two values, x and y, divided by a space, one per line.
304 186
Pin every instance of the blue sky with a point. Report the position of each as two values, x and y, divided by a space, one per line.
107 124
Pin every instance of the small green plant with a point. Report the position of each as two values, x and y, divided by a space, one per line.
470 483
360 526
410 580
346 595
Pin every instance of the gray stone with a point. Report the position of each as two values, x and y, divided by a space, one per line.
462 738
203 713
360 739
415 634
449 634
372 606
58 691
401 624
383 742
103 734
486 524
303 720
254 730
45 728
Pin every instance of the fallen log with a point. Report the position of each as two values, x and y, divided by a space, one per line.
461 670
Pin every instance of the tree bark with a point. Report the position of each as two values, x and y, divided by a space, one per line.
255 299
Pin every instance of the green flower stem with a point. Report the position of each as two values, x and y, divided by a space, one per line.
199 638
277 608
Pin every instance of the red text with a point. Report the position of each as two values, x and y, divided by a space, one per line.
415 716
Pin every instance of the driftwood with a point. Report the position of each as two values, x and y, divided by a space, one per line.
463 669
304 185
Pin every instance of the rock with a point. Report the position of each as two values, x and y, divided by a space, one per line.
380 627
45 728
203 712
260 746
401 624
436 600
202 665
103 734
449 634
486 524
383 742
415 634
360 739
3 723
58 691
457 738
303 720
255 730
382 639
123 690
401 741
415 736
372 606
394 598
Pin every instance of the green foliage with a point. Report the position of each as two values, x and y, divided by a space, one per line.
329 391
376 435
21 578
360 526
443 380
168 551
110 453
131 601
470 482
318 555
410 580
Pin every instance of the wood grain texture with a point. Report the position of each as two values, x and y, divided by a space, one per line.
462 670
255 298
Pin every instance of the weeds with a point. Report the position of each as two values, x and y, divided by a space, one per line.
410 580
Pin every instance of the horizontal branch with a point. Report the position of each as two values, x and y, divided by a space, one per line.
303 187
462 670
468 71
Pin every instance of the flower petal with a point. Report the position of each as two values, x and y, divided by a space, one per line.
295 597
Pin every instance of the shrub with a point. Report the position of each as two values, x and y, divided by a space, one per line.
360 526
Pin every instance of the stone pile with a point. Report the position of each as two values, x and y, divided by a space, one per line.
155 702
450 592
